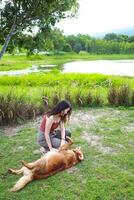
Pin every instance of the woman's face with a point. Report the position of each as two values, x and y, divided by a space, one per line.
64 112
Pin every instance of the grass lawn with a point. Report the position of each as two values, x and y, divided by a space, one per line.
106 136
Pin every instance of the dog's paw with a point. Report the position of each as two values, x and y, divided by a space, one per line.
22 162
69 139
10 170
13 189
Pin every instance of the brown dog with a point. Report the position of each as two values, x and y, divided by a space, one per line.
51 163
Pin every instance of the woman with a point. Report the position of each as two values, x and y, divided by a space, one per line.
48 136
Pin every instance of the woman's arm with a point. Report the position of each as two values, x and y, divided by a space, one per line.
62 127
49 123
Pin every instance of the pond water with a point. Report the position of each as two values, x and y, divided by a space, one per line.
33 69
108 67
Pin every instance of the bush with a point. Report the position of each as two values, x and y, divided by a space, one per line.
14 109
119 96
97 100
124 96
89 99
132 99
112 96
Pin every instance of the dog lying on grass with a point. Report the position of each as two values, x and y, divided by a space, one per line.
49 164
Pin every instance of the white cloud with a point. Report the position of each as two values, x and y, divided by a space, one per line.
100 15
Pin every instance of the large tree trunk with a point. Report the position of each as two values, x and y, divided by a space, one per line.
7 40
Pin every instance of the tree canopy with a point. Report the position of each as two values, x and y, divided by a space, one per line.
17 15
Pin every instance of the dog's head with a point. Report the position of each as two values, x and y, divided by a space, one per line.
79 153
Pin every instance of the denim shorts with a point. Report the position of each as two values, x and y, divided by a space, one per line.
55 138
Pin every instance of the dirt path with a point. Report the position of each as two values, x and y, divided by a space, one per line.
79 117
83 119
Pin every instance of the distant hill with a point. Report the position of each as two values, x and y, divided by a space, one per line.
126 31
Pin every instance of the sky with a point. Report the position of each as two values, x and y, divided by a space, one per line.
96 16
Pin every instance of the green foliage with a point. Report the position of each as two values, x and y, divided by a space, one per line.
67 47
121 96
124 95
111 37
17 15
42 90
14 109
132 98
32 94
112 96
77 47
110 44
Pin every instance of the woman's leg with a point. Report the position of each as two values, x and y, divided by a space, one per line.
54 137
54 141
42 142
58 134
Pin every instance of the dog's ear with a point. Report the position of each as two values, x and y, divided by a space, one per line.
79 153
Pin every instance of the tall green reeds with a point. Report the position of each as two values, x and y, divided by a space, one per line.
26 96
120 96
14 109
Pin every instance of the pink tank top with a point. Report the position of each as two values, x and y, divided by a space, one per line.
43 124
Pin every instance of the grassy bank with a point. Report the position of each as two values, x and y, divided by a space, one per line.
36 92
70 79
10 62
106 138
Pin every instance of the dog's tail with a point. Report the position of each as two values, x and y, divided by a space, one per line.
35 166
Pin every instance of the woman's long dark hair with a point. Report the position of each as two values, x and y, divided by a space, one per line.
62 105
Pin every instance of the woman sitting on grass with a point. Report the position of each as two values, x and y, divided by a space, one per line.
49 137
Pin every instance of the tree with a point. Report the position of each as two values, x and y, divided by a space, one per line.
111 37
77 47
67 47
122 38
58 39
131 39
17 15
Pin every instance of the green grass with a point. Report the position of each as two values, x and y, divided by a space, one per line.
10 62
101 176
107 171
59 79
33 87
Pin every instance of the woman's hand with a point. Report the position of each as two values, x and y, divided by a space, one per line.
53 149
